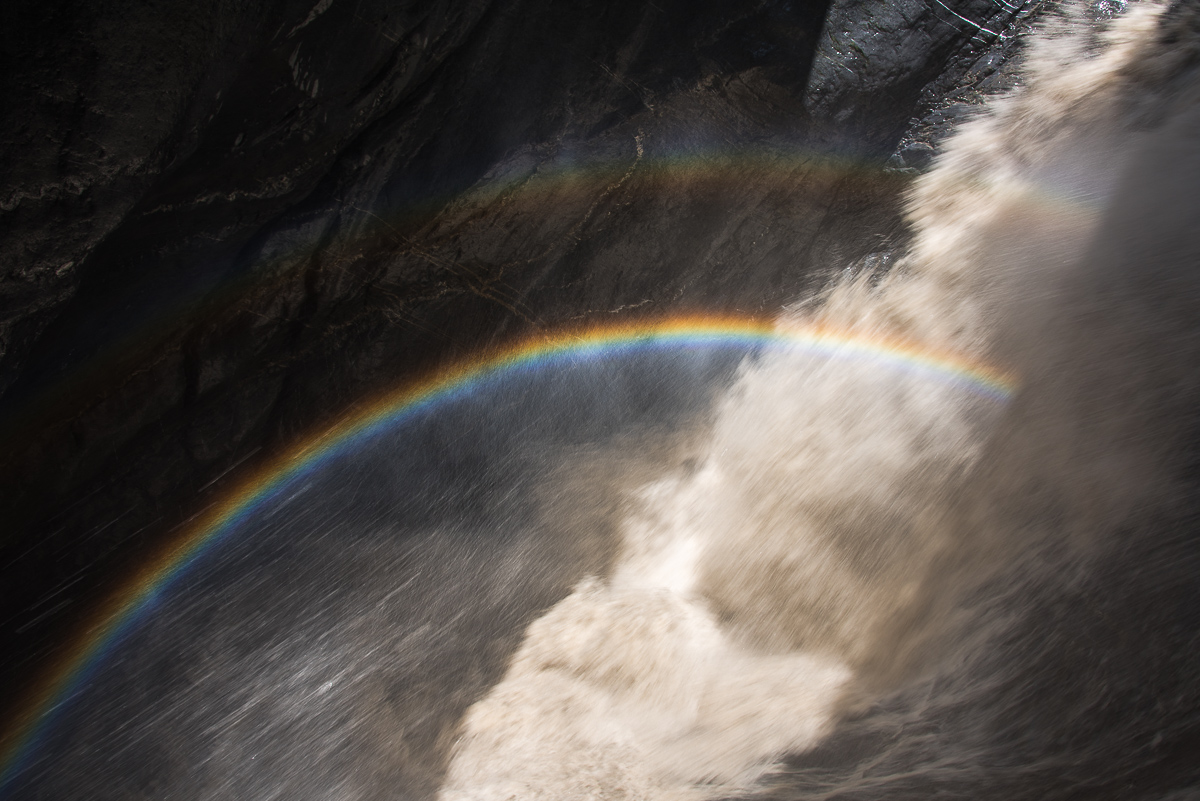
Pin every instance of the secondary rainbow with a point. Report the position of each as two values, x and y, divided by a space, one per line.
137 597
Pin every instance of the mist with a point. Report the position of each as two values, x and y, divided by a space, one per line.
731 570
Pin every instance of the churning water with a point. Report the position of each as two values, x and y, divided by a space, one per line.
954 554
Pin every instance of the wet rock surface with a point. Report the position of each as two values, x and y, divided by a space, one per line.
225 223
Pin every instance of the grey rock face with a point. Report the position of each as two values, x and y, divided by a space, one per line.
224 222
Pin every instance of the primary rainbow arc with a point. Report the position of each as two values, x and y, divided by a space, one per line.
129 604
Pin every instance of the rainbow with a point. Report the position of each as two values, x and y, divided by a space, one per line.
136 599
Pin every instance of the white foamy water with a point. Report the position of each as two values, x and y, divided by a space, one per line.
817 548
799 531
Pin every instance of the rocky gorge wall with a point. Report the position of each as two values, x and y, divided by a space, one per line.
222 224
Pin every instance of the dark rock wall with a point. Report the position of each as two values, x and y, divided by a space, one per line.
221 223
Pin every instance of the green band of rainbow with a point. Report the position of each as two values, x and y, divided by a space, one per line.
131 603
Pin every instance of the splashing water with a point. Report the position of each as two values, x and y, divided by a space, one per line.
843 528
800 532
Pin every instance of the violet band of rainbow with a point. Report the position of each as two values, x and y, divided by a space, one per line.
132 602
